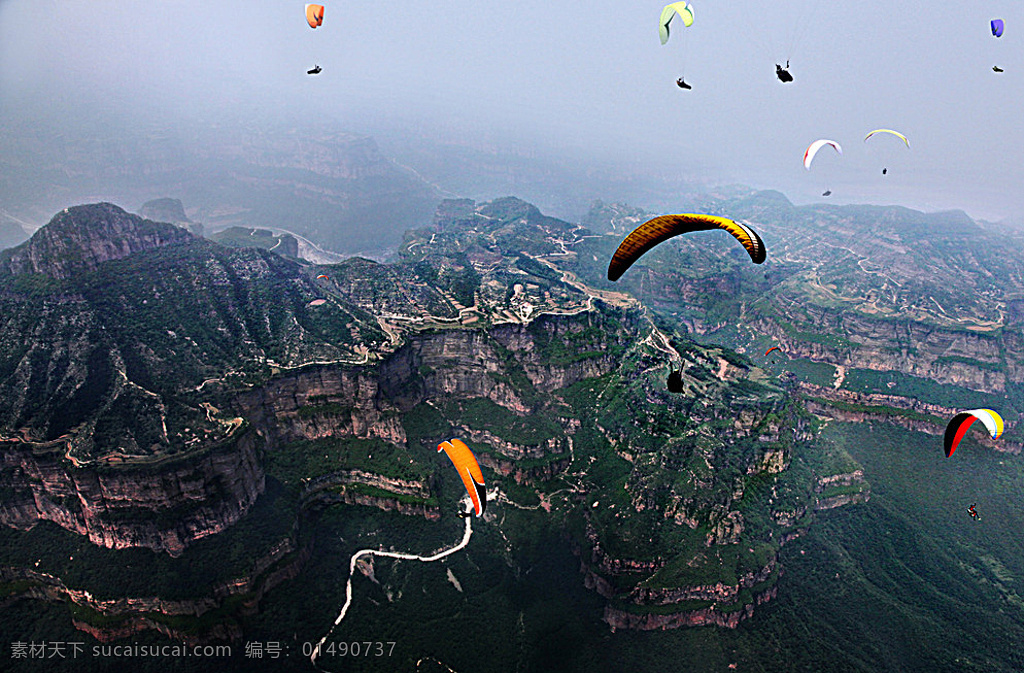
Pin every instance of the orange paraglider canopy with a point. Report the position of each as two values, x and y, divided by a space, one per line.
314 15
467 467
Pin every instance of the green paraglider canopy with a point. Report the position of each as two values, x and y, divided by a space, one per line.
685 12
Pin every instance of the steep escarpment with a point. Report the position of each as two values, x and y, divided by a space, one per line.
163 504
504 365
979 361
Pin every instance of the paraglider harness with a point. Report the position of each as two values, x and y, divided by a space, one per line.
675 381
783 73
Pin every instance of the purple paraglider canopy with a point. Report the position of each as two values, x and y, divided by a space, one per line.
997 27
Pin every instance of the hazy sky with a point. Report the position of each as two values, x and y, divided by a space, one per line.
585 78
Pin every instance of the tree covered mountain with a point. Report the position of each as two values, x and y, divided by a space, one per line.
163 393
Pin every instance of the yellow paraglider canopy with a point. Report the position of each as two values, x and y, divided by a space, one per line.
895 133
653 232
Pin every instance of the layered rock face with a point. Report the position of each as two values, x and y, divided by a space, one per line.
364 402
979 361
163 505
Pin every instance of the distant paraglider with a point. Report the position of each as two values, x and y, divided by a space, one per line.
317 302
959 424
467 467
973 512
660 229
315 71
996 68
314 15
997 27
321 276
773 348
685 13
812 150
783 73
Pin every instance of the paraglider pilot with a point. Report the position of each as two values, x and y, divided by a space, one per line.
973 512
783 73
682 85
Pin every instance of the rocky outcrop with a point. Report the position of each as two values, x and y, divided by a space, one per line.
163 504
976 360
333 488
710 616
346 401
853 490
172 211
80 238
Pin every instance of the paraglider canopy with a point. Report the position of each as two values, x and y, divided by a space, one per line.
653 232
314 15
960 423
895 133
685 12
813 148
314 71
783 73
682 84
997 27
472 478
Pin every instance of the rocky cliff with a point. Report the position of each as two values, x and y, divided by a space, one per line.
81 238
163 504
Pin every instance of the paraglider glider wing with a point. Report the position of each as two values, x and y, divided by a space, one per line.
653 232
773 348
314 15
997 27
472 478
895 133
685 12
960 423
813 148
